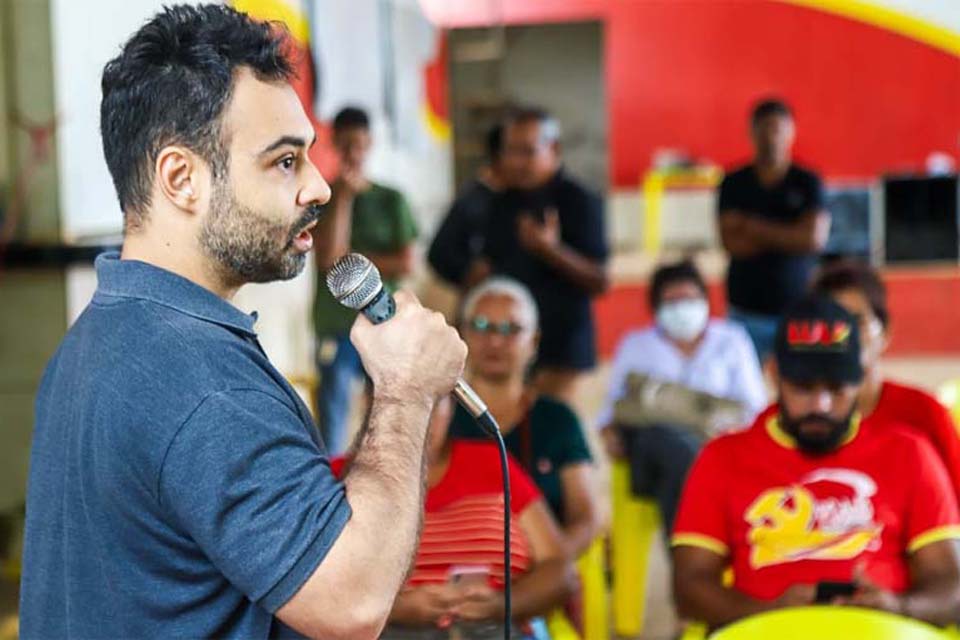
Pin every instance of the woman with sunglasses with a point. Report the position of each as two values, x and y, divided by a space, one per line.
500 327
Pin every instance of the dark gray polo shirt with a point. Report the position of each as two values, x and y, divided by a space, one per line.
177 486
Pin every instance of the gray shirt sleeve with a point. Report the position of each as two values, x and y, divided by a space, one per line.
244 480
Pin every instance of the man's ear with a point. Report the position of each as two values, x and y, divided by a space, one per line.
178 173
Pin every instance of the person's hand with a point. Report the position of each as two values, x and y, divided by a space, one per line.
351 182
613 442
870 595
536 237
426 606
478 603
797 595
415 356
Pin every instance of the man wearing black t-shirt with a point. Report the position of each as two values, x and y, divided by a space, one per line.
773 224
456 251
547 231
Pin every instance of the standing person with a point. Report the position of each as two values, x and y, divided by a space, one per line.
858 288
177 485
456 252
773 224
365 217
548 232
684 347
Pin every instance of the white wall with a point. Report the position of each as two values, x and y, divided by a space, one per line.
347 48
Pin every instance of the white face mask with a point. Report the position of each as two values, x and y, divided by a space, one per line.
683 320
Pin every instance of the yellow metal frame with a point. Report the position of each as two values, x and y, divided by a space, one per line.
656 183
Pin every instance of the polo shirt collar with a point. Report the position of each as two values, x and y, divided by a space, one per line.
143 281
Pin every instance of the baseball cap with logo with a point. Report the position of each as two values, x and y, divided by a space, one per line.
818 341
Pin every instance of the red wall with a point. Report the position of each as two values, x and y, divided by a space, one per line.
924 307
683 74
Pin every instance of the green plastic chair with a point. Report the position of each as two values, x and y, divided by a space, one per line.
829 623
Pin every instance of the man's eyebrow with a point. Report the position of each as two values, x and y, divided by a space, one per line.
293 141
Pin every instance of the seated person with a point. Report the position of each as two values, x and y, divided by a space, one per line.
687 348
500 327
810 494
859 289
462 531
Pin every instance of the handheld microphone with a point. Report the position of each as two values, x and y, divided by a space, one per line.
355 283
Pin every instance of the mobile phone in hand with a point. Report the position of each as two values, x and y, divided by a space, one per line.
827 591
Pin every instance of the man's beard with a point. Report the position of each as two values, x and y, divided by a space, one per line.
249 246
816 444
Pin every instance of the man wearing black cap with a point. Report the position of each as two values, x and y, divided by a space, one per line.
807 497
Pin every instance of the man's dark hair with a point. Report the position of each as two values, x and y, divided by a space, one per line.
549 125
171 84
850 274
493 143
665 275
769 107
351 118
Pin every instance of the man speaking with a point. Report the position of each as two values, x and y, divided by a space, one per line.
177 485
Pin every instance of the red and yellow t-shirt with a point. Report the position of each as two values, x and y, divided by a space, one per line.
783 517
463 520
918 409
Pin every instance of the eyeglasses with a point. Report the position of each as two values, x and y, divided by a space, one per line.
482 324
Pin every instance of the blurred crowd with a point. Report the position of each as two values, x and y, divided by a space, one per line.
769 440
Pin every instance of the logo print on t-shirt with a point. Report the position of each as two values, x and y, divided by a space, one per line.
828 515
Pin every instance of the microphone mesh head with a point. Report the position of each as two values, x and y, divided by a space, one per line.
354 281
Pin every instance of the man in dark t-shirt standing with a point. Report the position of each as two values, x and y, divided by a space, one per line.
547 230
773 224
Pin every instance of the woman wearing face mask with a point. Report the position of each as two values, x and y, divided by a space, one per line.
684 347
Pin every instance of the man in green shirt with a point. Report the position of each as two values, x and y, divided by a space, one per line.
362 217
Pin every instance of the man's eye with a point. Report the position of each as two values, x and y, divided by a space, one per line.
286 162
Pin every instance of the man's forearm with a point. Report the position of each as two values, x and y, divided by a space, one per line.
385 488
707 601
937 603
587 274
807 235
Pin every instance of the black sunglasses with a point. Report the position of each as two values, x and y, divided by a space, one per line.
482 324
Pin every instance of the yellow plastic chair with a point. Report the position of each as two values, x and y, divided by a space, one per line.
829 623
949 395
592 567
635 523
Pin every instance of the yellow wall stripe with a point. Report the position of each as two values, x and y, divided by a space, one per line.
290 13
437 126
939 534
904 24
699 540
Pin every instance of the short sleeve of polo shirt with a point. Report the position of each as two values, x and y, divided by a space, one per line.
246 482
933 514
701 519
